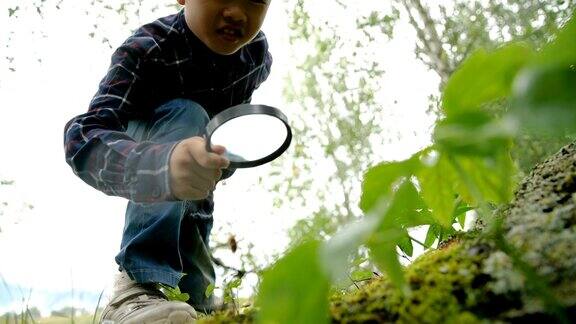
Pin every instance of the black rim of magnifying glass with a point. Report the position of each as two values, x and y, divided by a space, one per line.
243 110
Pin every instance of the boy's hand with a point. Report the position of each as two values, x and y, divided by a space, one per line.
195 171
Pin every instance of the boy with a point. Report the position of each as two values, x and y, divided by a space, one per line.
142 139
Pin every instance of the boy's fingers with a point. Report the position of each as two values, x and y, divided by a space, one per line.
209 160
218 149
213 161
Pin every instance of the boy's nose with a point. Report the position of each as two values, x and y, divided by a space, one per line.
234 14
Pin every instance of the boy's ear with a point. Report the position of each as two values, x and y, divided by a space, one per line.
181 2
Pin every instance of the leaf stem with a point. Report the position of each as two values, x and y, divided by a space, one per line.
417 242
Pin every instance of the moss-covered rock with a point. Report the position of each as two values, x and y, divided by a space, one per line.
469 280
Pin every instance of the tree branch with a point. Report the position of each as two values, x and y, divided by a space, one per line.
428 35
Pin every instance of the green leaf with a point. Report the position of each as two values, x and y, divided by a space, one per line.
544 98
380 230
483 77
491 176
562 50
383 250
335 252
460 212
234 283
405 244
437 180
209 290
407 208
432 234
359 260
379 180
173 293
445 233
295 289
461 220
474 133
361 275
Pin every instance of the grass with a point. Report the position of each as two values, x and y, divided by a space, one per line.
83 319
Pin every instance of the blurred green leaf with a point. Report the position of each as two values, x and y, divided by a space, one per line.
544 98
391 232
460 212
562 50
483 77
335 252
359 260
544 95
474 133
382 246
173 293
361 274
492 176
407 208
295 289
437 232
405 244
209 290
379 180
461 220
382 229
234 283
437 180
432 234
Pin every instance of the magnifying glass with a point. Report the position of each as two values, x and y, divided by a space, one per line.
252 134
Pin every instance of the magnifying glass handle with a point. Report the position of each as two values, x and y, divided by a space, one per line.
208 145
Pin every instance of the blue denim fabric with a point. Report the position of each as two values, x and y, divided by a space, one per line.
163 241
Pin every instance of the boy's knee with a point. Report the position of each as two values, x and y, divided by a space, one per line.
187 110
178 119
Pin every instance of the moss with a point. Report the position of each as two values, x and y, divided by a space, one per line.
246 315
447 285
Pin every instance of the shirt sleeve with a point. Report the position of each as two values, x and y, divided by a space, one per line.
96 144
266 65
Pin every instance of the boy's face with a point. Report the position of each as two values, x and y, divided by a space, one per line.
225 25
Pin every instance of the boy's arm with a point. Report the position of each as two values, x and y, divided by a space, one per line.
97 147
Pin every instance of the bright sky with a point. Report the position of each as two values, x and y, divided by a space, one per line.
68 240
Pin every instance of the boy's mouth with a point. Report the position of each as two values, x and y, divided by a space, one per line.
230 33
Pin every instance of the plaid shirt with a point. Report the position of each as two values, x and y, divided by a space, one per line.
161 61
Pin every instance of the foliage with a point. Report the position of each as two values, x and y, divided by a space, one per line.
334 90
173 293
449 34
457 168
295 290
103 20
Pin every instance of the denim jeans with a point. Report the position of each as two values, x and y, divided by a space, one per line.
167 242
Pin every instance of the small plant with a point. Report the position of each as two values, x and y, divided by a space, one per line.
173 293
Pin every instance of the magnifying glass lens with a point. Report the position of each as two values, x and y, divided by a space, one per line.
252 134
250 137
